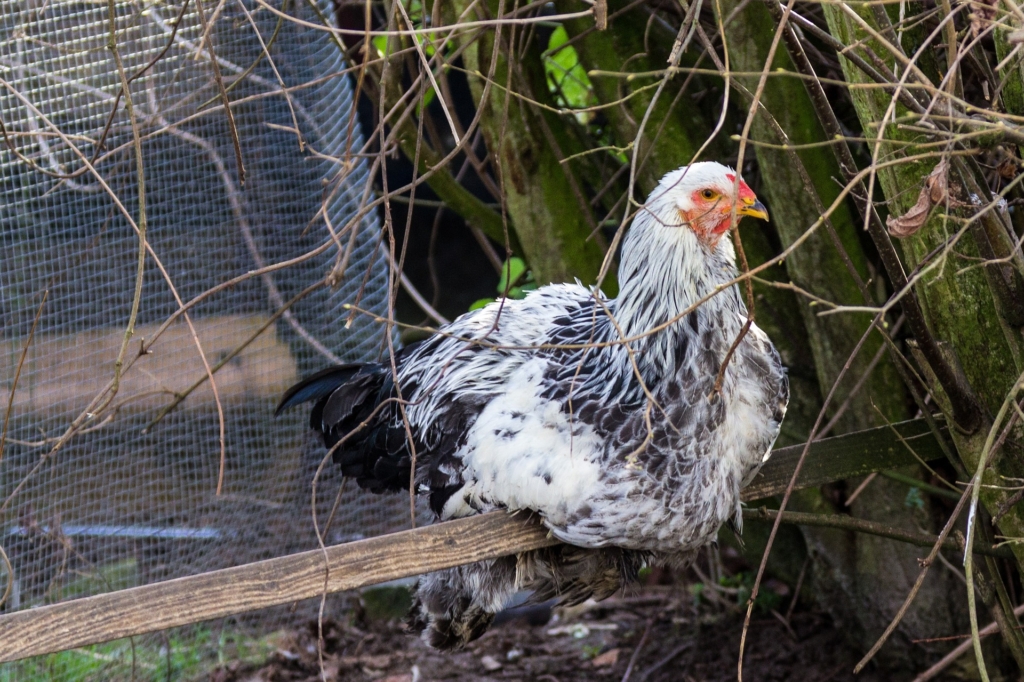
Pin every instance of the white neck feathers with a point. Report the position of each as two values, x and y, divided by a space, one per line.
664 270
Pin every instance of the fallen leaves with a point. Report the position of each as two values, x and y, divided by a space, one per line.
607 659
695 637
490 663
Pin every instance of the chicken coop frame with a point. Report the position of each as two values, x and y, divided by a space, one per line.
226 592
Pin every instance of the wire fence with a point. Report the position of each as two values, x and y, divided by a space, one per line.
543 125
103 490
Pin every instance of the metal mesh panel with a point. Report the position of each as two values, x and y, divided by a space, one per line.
120 504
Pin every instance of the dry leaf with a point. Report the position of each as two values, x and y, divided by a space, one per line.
379 662
935 191
607 659
1004 160
982 14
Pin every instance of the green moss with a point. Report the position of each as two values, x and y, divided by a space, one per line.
386 602
543 205
676 125
957 301
817 265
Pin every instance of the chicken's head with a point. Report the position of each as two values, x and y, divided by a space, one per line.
707 198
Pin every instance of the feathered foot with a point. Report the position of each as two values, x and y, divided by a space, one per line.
574 574
456 606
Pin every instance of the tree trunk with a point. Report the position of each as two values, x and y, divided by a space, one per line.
958 301
861 579
544 202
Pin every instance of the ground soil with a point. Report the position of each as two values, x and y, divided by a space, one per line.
661 634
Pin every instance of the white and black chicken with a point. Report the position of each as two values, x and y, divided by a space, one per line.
598 414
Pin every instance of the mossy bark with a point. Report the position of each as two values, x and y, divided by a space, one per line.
676 125
861 579
957 301
556 232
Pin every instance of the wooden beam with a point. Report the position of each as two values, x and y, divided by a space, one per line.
194 599
197 598
847 456
68 370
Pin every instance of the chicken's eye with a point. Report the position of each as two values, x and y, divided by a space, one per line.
708 194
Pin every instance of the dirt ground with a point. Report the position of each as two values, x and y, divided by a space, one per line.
661 634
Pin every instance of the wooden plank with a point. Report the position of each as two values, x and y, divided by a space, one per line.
847 456
194 599
63 372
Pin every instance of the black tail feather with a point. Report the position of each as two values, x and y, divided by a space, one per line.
317 386
347 404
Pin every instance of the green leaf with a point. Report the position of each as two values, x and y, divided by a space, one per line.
766 601
511 273
381 44
427 98
480 303
913 499
697 592
567 79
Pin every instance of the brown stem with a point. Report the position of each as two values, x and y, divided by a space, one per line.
1011 633
223 94
879 76
17 376
983 579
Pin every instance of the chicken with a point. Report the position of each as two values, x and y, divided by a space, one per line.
600 415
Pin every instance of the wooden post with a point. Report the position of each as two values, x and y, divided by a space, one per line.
194 599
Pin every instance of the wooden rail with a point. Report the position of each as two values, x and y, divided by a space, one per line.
194 599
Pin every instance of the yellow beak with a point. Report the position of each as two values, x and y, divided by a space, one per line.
754 209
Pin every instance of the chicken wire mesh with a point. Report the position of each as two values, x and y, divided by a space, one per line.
125 501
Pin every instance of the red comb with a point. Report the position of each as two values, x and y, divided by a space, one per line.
744 189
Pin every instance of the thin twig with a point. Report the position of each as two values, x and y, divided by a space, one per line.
141 180
961 649
17 375
637 650
273 67
939 543
799 586
430 74
207 41
9 587
414 293
669 657
975 490
180 397
850 523
860 488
